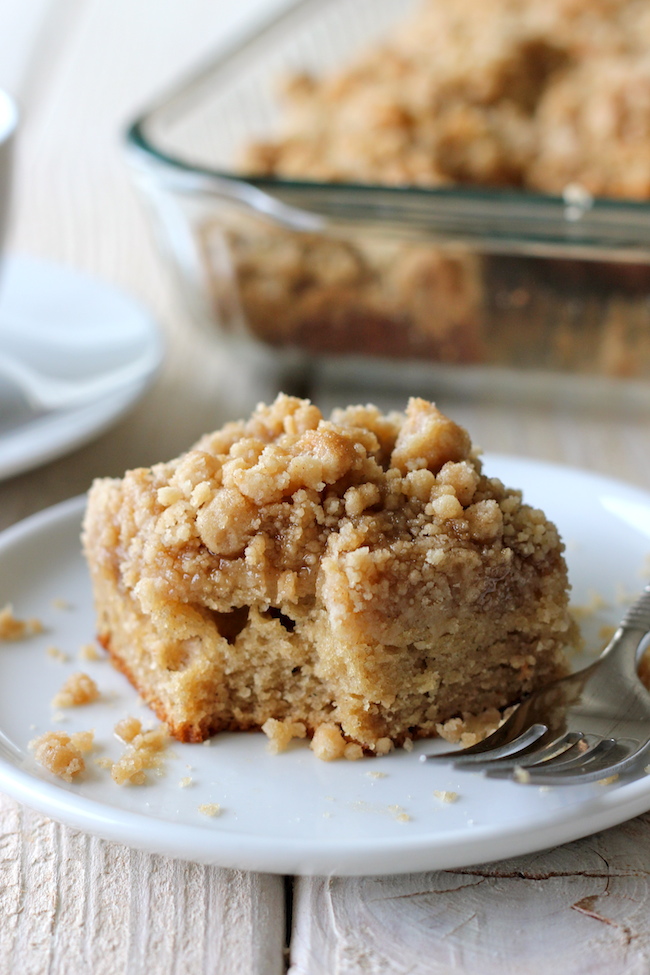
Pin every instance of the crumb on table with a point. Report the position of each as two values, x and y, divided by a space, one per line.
78 689
13 628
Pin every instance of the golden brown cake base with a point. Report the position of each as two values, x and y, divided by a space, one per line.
359 571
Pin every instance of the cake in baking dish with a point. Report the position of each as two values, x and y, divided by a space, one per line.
358 574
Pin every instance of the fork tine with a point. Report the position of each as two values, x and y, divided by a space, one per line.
581 774
575 756
496 744
594 755
523 757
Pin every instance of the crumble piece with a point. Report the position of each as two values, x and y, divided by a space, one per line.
185 782
13 628
444 795
55 653
280 733
210 809
521 775
143 752
328 743
89 652
608 780
358 576
78 689
399 814
83 740
61 604
470 729
128 728
62 754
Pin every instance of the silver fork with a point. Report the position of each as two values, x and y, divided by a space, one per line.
582 728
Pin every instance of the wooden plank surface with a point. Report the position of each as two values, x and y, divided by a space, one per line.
581 908
73 903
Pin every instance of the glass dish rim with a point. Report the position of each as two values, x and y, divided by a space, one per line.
595 216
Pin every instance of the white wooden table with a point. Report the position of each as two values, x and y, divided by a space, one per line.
73 903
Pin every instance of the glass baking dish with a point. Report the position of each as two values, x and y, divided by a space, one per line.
396 285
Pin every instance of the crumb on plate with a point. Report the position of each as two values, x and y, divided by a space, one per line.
13 628
143 752
78 689
445 795
62 754
210 809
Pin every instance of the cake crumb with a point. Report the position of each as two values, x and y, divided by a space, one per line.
383 746
353 752
54 653
376 775
445 795
143 752
59 716
210 809
328 743
521 775
83 740
185 782
61 754
78 689
399 814
280 733
62 604
207 742
89 652
608 780
127 728
408 745
13 628
472 728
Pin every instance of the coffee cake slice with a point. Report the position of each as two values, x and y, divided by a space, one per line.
359 572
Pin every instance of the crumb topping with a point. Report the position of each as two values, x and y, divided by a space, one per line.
541 95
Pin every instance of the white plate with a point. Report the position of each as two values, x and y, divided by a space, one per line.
292 813
70 326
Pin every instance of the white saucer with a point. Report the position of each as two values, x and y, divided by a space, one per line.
70 326
292 813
